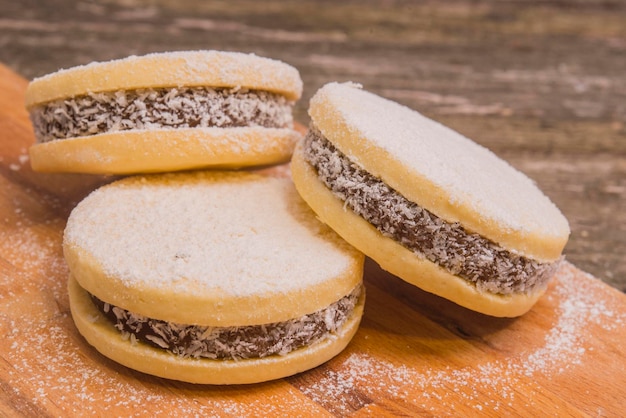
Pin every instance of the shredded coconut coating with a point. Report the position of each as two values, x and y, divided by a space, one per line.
236 342
467 255
186 107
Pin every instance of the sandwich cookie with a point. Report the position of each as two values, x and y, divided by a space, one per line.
164 112
210 277
426 203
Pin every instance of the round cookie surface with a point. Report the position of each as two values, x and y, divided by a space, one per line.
168 69
427 203
212 250
440 169
163 112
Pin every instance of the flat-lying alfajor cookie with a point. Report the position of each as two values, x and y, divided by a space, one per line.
428 204
210 277
164 112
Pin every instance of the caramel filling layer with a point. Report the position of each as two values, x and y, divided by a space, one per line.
234 342
465 254
186 107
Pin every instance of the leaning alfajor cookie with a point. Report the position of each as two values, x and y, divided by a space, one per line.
164 112
210 277
428 204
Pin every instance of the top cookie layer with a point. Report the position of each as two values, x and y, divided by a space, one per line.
208 248
169 69
440 170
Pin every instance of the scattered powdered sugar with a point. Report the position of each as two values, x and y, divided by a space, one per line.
492 385
31 246
22 160
51 373
49 368
446 159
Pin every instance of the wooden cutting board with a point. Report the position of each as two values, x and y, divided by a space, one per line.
415 354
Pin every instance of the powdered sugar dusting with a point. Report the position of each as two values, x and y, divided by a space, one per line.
61 379
201 231
50 367
469 174
49 370
489 386
169 69
29 242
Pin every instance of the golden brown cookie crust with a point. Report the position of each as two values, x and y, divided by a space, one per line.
169 69
146 151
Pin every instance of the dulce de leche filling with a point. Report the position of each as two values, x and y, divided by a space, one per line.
462 253
184 107
232 342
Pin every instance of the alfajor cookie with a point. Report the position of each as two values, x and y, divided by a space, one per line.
164 112
428 204
210 277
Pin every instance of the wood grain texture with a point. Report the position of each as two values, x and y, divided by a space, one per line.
414 353
541 83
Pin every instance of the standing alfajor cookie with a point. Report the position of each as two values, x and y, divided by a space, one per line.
428 204
164 112
210 277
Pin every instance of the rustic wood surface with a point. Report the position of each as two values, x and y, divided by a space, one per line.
414 354
541 83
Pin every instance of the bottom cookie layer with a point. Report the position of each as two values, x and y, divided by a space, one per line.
101 334
161 150
234 342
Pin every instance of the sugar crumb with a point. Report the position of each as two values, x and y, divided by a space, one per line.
563 348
